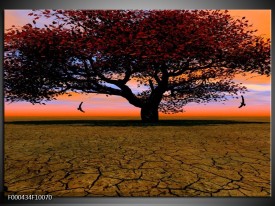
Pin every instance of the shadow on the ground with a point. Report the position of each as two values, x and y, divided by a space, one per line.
134 122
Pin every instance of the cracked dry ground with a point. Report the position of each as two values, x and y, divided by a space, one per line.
77 160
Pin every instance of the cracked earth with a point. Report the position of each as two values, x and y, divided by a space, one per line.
78 160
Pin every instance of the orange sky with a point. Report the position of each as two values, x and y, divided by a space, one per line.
258 97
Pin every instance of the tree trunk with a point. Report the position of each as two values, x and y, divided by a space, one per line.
149 114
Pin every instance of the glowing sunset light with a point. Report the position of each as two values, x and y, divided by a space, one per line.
258 97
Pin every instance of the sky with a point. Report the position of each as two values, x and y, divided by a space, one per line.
258 97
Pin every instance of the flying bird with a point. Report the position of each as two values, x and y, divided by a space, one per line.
80 108
242 103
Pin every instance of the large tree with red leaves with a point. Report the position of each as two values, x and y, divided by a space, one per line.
175 56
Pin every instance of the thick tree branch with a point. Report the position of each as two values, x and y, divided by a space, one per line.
128 74
125 92
156 94
151 85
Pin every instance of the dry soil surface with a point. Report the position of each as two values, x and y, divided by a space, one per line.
78 160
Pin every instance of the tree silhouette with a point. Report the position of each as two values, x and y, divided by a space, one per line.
174 56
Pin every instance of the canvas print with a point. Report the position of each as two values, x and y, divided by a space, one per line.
137 103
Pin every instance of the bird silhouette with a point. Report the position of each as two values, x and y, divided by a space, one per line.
242 103
80 108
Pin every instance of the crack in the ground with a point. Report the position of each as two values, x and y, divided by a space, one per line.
173 163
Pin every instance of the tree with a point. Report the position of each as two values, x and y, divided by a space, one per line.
175 56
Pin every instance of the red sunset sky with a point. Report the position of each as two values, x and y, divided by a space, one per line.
258 98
